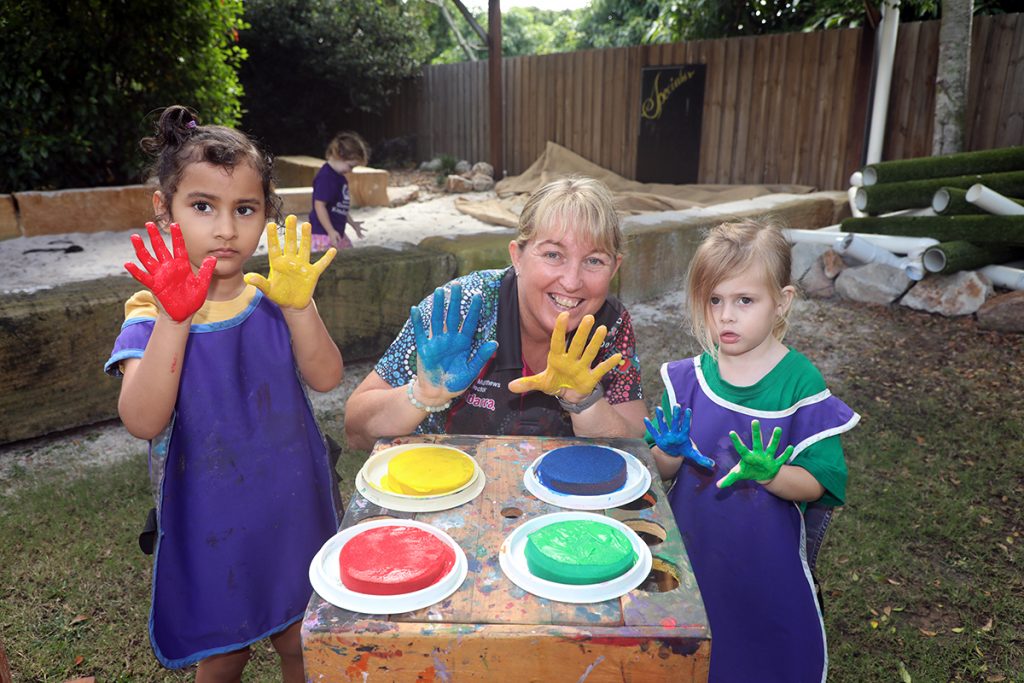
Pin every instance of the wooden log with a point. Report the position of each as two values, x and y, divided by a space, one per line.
914 194
950 257
1005 230
963 163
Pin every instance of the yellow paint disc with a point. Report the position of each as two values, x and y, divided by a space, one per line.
427 471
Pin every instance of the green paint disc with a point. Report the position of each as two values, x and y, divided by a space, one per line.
579 552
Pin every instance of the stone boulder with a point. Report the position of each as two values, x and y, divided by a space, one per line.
874 283
481 182
805 254
960 293
458 183
482 168
1003 313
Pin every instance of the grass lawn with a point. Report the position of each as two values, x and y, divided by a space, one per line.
921 570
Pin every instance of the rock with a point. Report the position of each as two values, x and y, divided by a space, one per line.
399 196
481 182
961 293
874 283
296 171
804 256
368 186
433 165
457 183
482 168
84 210
833 263
816 284
462 167
1003 313
8 218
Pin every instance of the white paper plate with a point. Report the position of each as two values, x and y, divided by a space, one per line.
512 558
638 480
401 503
376 468
324 574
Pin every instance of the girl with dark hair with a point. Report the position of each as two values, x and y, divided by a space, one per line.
215 364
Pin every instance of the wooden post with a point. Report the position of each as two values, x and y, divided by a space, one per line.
497 133
949 131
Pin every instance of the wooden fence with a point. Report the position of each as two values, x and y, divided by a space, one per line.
786 108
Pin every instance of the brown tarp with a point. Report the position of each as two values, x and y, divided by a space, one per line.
632 197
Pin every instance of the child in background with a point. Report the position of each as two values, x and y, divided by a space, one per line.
331 199
214 364
745 536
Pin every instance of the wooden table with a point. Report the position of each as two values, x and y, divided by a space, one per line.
490 629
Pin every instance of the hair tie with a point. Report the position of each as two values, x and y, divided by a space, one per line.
191 124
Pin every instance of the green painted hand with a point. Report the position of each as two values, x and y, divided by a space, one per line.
759 464
292 277
570 369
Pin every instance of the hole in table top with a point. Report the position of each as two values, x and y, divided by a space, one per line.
511 512
663 577
642 503
652 533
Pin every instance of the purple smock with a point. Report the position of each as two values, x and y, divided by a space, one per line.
242 483
746 545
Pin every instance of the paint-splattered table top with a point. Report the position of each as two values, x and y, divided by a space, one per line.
659 627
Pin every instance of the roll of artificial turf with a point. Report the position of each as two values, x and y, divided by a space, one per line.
984 230
963 163
950 257
915 194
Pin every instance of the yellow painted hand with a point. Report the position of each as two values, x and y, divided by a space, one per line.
570 369
292 277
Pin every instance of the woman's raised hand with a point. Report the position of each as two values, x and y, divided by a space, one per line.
180 291
445 358
292 277
674 440
570 369
759 464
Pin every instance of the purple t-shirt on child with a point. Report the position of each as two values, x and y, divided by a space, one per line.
331 188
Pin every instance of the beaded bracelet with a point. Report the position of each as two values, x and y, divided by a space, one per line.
423 406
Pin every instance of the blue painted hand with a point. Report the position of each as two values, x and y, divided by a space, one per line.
759 464
674 440
445 358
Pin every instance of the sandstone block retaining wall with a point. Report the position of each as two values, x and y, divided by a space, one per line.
53 343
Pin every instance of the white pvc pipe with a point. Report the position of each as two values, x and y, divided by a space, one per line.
857 179
940 200
860 249
892 243
852 196
1004 276
883 78
993 202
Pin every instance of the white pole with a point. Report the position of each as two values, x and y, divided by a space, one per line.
993 202
1004 276
892 243
883 79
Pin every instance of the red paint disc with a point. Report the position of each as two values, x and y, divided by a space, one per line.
393 560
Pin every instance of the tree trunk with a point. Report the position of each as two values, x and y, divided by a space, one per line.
951 77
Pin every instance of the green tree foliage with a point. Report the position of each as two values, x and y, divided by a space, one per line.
79 78
616 23
311 62
524 31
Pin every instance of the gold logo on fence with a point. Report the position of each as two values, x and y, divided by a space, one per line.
651 107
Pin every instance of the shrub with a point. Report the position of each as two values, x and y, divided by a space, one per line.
79 79
314 63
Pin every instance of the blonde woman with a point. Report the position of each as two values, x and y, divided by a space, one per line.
487 353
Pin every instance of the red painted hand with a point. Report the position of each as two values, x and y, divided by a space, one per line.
180 291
